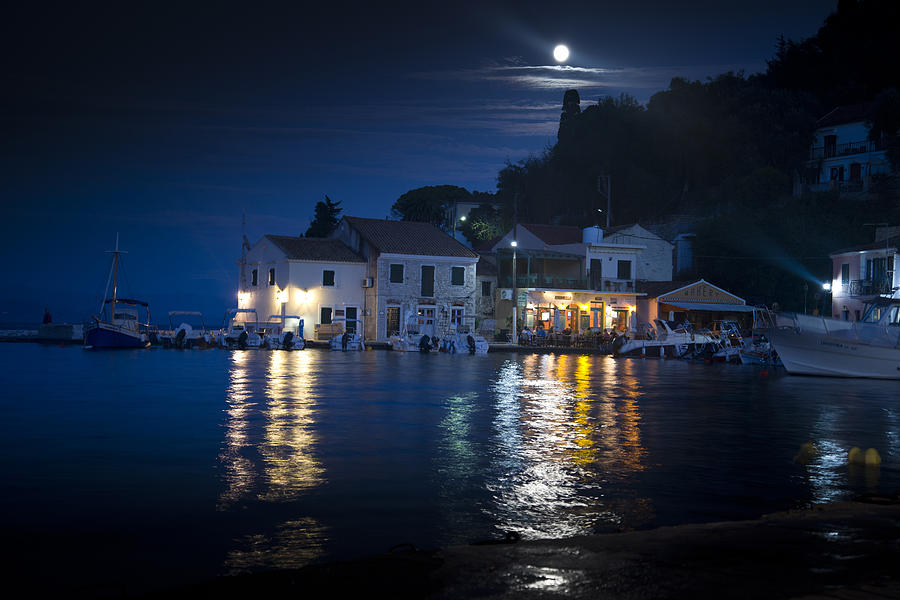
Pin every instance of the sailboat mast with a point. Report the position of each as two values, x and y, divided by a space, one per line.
112 312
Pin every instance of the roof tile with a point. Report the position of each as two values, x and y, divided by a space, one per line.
409 237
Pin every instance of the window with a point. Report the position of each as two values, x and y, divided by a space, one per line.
272 276
486 289
845 274
328 278
456 314
457 275
428 280
325 315
396 273
254 277
624 269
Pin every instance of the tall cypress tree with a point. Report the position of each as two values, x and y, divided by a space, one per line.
326 219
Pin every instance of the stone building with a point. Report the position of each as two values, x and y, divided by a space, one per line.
414 271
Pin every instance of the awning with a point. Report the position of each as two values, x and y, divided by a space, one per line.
711 307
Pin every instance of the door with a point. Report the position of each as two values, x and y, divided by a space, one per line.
352 313
392 325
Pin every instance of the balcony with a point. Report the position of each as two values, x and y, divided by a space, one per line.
846 149
867 287
599 284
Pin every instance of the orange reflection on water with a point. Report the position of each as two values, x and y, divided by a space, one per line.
566 426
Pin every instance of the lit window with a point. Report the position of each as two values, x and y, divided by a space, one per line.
272 276
254 277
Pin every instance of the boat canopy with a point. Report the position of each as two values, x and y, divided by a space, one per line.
128 301
194 313
712 307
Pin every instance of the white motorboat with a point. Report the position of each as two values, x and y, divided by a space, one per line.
190 333
285 332
665 339
347 336
463 339
413 338
812 345
240 333
730 341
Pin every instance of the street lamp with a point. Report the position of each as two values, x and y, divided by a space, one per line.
515 328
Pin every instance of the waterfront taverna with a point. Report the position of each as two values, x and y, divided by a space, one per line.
700 302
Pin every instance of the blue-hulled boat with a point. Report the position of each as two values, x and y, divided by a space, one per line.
119 324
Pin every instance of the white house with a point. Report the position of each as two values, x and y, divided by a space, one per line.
316 279
413 270
842 156
863 273
567 278
656 257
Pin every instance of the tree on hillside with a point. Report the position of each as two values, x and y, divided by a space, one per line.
430 204
484 223
848 60
327 215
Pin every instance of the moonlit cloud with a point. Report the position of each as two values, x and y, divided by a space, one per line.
640 82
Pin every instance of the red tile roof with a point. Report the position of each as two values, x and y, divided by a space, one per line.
408 237
553 235
318 249
852 113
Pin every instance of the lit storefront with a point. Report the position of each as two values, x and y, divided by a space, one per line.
577 311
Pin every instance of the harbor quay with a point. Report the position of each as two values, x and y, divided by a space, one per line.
845 550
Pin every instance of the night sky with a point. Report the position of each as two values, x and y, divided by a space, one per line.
166 124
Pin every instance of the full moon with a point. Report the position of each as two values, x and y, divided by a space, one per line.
561 53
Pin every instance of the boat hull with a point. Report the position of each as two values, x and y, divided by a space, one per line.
809 353
105 335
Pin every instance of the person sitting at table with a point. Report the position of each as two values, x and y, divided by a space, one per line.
525 337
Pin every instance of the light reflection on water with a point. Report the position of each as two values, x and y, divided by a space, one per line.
250 460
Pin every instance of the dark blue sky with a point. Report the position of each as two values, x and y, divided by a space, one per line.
165 124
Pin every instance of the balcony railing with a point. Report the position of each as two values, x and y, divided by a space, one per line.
845 149
868 287
599 284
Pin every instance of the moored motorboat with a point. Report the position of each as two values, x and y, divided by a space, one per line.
240 334
285 334
813 345
187 335
463 339
665 339
345 335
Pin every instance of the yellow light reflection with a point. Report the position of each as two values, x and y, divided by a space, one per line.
566 425
269 454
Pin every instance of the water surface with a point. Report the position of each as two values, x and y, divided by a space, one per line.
133 469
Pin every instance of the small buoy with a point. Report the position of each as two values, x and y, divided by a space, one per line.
808 451
855 456
873 459
763 373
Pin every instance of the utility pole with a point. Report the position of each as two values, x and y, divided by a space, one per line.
605 181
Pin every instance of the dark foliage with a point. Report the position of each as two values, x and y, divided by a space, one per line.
326 218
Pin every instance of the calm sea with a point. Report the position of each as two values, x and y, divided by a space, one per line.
133 469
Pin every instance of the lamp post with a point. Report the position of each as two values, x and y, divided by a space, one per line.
515 328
